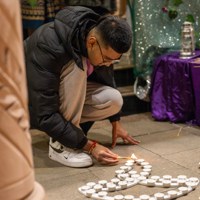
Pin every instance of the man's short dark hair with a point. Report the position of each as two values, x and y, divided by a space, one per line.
115 32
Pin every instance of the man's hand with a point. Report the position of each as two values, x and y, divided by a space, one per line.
104 155
119 132
101 153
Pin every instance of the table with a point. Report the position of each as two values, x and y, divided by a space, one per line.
175 88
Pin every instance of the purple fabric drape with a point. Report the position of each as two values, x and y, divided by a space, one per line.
175 90
195 66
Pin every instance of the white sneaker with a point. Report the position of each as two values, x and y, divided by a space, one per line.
67 156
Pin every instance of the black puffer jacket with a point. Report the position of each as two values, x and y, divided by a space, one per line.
47 50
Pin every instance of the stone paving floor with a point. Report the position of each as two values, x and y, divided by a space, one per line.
172 149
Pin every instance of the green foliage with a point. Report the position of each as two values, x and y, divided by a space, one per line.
190 18
177 2
32 2
197 35
172 14
172 6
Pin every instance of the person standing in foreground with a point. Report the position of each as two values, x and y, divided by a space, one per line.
71 83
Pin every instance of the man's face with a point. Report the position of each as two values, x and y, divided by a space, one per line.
99 55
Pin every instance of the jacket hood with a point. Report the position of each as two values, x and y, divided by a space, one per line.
72 25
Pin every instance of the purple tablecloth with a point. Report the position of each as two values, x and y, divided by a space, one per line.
175 90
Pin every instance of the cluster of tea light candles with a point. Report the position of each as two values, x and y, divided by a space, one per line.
127 177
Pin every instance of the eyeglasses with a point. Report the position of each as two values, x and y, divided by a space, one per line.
110 61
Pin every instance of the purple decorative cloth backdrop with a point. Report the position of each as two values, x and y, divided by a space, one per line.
175 89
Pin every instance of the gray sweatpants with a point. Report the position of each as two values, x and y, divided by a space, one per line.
83 101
